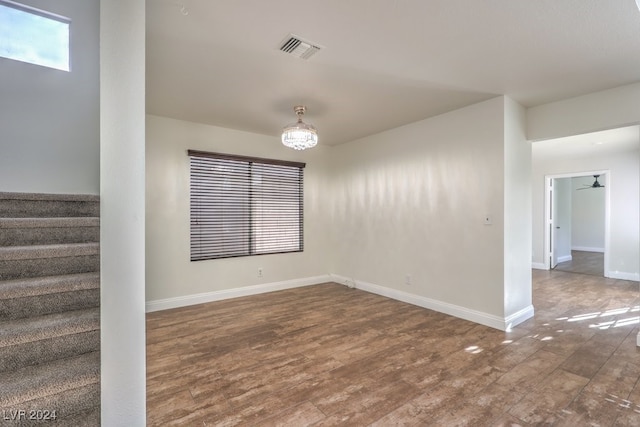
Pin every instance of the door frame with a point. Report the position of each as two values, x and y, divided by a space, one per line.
548 220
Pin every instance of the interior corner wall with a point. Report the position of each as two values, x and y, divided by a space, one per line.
50 123
169 271
412 201
517 213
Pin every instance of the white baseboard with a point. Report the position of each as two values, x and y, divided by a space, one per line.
565 258
621 275
182 301
518 317
587 249
475 316
538 266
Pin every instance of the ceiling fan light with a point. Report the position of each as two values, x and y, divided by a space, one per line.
299 135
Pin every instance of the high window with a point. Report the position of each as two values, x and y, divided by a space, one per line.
243 206
34 36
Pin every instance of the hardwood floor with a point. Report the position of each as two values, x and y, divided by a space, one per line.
329 355
584 263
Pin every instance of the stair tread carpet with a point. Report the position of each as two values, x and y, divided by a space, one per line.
50 197
34 382
15 332
84 419
60 222
8 253
20 288
50 306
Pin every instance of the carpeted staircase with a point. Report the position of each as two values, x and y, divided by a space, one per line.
49 310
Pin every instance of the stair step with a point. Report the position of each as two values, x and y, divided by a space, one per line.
21 331
43 231
41 339
48 251
90 418
50 294
48 260
67 386
21 205
50 308
20 288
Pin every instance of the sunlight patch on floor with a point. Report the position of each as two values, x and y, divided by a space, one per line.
606 324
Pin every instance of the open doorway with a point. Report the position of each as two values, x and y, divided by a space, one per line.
615 156
577 231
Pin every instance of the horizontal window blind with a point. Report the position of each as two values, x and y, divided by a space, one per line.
243 206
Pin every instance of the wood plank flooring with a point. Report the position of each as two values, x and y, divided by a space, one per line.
584 263
329 355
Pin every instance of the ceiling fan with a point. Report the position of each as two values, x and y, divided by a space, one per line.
595 184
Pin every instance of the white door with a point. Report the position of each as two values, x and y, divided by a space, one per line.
553 224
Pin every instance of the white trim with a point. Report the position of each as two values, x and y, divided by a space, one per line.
475 316
342 280
622 275
518 317
587 249
185 300
565 258
538 266
638 340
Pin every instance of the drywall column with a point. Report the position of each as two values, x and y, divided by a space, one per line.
122 224
517 216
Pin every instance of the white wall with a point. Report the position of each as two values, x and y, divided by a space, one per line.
49 119
412 200
608 109
624 179
587 214
170 273
122 216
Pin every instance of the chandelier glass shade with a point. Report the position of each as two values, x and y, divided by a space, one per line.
299 135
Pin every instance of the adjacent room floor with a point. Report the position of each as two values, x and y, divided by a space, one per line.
584 263
330 355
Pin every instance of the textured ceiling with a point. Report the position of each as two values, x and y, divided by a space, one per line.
384 63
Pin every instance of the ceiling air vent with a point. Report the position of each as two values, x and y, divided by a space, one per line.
297 47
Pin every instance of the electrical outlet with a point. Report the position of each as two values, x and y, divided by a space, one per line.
259 271
407 279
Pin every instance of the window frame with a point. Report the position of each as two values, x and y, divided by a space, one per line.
10 4
248 224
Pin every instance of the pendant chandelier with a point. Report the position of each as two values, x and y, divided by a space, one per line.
299 135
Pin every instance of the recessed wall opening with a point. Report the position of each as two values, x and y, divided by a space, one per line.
574 162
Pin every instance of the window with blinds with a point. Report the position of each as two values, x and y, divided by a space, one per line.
242 206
